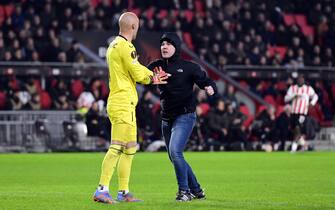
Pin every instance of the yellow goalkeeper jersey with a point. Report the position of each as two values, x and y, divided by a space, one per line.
124 72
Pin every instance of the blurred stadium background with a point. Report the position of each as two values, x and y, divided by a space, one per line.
53 83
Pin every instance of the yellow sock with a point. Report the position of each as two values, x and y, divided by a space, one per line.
109 163
124 168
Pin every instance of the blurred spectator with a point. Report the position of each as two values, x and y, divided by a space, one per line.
218 125
145 118
62 102
73 52
62 57
15 102
200 134
97 124
85 100
230 96
237 136
60 87
264 126
283 129
248 28
34 103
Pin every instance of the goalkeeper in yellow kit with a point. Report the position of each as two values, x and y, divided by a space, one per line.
124 72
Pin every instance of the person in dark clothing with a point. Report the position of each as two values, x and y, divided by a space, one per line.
218 125
236 131
34 103
199 136
97 124
178 103
266 122
145 116
283 128
72 53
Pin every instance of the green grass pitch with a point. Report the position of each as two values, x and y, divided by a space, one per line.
231 181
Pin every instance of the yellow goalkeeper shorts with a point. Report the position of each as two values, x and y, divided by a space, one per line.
124 127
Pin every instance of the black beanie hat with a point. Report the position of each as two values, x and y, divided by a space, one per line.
174 39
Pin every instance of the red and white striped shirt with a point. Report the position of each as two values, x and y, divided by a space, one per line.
301 97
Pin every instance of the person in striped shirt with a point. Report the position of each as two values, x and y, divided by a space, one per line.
301 96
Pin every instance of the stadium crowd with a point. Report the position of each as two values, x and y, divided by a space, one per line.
222 32
286 33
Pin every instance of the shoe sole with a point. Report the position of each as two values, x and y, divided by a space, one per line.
127 201
100 201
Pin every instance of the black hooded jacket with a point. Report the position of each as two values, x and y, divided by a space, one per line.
177 97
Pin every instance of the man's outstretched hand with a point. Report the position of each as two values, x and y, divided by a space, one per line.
159 76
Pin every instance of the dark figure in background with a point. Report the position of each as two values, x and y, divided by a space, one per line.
200 133
34 103
14 102
230 95
72 53
264 126
145 119
96 123
62 102
237 136
283 128
218 126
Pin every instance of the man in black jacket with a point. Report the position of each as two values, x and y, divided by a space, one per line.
178 110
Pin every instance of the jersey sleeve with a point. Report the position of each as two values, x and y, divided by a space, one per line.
137 71
314 96
289 95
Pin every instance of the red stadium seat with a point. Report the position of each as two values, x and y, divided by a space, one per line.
130 4
9 9
94 3
188 40
104 89
163 14
279 110
37 84
301 20
279 100
244 84
308 30
245 110
3 100
46 101
260 109
289 19
333 89
205 108
77 87
2 15
137 11
14 84
280 49
281 86
199 7
175 13
316 113
189 15
150 13
269 99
